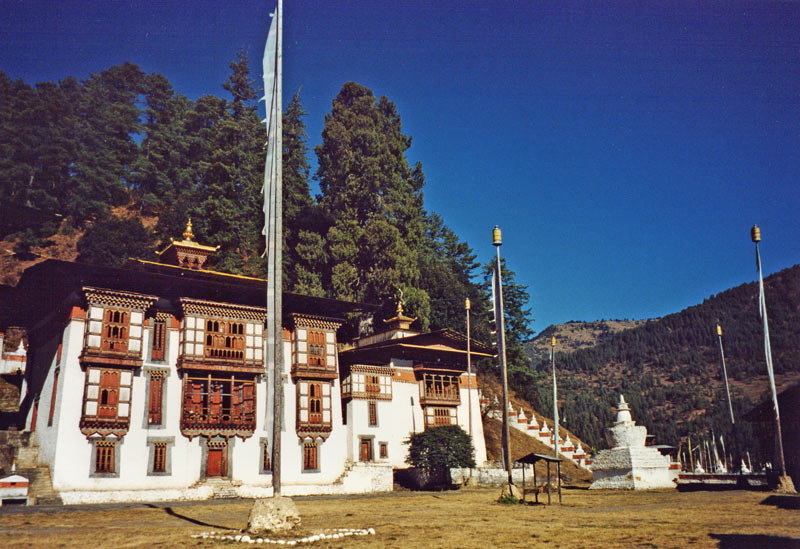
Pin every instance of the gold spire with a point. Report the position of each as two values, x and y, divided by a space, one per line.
188 234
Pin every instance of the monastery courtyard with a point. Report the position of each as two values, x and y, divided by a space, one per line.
463 518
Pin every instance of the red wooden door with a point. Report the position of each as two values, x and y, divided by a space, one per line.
216 463
366 449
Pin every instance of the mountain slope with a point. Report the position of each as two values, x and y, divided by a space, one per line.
575 335
669 368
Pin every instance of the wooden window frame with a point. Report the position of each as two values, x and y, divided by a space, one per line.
158 347
214 401
440 415
105 458
53 396
310 456
159 457
372 383
116 330
372 413
383 450
315 403
34 414
155 403
111 401
316 349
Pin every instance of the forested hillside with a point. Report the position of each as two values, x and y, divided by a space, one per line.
112 166
669 368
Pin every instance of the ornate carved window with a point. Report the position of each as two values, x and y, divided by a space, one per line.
313 406
316 348
107 396
160 457
368 382
310 456
104 457
155 398
384 450
221 339
114 328
158 349
315 403
217 405
439 387
372 408
435 416
224 339
373 384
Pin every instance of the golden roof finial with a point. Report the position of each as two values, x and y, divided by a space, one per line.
188 234
399 307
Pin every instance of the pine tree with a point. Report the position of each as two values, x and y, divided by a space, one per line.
298 206
108 117
373 200
229 213
517 314
162 173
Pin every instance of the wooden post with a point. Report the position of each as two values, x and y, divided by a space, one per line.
548 483
558 469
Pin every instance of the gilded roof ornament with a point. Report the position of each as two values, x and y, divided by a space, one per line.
188 234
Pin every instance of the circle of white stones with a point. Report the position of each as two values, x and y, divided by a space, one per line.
330 533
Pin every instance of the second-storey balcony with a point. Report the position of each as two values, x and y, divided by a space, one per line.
439 389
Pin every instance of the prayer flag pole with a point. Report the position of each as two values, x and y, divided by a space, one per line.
273 216
497 241
555 393
786 481
725 373
469 372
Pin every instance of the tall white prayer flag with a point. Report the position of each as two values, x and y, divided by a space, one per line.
273 228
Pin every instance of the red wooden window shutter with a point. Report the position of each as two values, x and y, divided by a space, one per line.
156 391
159 340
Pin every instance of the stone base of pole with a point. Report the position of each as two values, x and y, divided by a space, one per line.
511 490
785 485
272 516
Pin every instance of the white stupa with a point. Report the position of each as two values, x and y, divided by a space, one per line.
629 464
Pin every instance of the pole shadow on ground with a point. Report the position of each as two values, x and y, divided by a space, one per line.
736 541
172 513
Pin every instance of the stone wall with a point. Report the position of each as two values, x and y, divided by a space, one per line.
497 476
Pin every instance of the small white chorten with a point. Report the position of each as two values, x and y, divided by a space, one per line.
629 464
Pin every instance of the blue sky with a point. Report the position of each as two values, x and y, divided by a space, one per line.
624 148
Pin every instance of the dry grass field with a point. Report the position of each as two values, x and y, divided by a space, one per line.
464 518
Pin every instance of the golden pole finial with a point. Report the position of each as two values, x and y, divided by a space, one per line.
553 341
497 236
719 330
755 234
188 234
467 304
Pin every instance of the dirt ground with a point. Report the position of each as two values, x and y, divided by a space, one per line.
463 518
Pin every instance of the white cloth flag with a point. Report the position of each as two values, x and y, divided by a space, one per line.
762 310
272 187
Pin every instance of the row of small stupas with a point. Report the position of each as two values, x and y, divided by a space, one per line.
147 382
530 426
